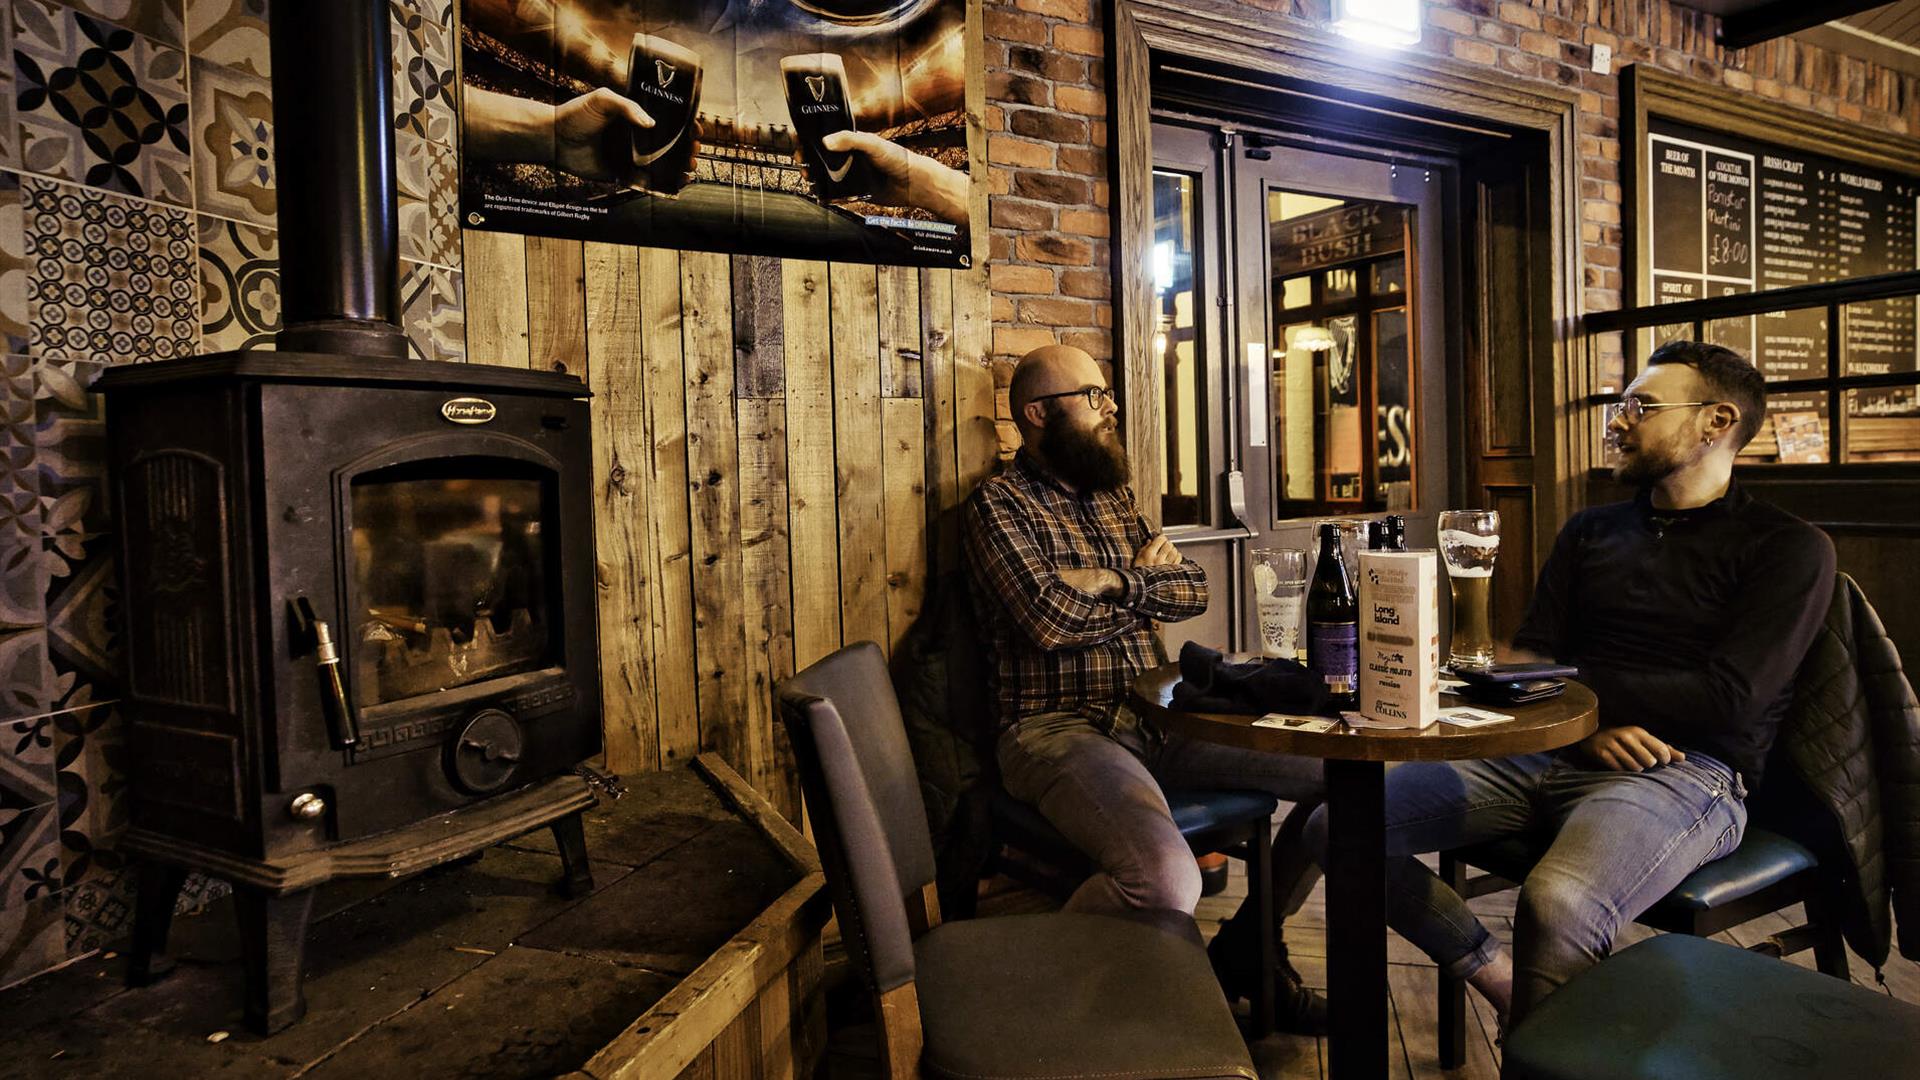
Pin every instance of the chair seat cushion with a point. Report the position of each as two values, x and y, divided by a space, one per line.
1681 1006
1194 811
1763 858
1058 996
1199 810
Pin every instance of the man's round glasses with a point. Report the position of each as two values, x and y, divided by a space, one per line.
1632 410
1094 395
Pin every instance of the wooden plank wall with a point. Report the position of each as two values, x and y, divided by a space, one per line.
771 441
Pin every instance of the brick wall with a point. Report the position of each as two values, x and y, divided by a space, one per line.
1047 178
1047 142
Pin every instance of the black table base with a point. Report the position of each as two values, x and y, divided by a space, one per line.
1356 920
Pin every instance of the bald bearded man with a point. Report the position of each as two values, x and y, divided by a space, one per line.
1068 580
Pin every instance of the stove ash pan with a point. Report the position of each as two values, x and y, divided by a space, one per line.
356 594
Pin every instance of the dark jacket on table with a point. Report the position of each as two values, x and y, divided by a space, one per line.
1852 741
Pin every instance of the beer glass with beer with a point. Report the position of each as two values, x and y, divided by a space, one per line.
817 100
664 79
1279 589
1469 544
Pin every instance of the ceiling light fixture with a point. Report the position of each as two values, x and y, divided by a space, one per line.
1394 23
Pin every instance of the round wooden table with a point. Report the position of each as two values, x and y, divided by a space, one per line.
1356 828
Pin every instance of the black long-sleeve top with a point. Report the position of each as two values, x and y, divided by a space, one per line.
1689 623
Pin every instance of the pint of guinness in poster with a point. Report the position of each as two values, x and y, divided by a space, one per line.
704 125
663 79
816 86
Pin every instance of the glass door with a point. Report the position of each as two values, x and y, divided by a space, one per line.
1339 289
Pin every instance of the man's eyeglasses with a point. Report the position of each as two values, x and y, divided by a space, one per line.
1094 395
1632 410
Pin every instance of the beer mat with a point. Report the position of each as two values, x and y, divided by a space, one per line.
1359 722
1468 717
1290 722
1450 686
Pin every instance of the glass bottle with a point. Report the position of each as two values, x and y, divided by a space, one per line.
1396 525
1333 622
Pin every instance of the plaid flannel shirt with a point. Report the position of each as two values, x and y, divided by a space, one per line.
1055 648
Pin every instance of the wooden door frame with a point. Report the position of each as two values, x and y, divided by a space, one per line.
1141 32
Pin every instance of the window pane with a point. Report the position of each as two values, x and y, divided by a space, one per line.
1294 365
1177 341
1343 445
1795 432
1342 372
1296 292
1393 411
1791 344
1877 337
1390 276
1883 424
1736 334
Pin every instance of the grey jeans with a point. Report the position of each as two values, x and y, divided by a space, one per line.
1616 842
1101 788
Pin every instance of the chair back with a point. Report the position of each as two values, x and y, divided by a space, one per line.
857 775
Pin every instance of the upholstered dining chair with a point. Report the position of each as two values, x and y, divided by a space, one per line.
1026 996
1682 1006
1766 873
1233 822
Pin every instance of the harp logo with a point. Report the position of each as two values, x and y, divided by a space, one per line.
817 86
664 72
468 410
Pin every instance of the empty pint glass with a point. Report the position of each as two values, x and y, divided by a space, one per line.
664 79
1469 544
1279 591
1353 541
817 99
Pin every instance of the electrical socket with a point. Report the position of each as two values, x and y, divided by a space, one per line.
1603 59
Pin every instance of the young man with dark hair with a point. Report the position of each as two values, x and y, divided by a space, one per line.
1069 579
1687 610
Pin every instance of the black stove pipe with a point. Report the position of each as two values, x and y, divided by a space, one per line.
334 165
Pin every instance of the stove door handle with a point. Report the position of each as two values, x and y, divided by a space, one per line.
341 725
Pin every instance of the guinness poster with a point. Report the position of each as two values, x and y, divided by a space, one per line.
819 129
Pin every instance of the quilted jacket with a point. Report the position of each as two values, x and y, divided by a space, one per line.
1852 740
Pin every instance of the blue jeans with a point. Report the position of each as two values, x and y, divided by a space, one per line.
1101 786
1616 842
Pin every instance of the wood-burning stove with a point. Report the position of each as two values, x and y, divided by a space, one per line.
357 590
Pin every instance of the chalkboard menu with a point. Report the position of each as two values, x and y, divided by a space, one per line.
1732 215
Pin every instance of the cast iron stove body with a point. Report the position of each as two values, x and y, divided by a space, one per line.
433 518
357 589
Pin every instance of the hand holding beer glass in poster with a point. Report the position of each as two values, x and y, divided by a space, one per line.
823 129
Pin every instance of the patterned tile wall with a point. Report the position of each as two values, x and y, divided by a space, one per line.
137 203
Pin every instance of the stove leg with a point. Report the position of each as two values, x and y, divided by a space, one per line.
159 888
273 939
570 836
